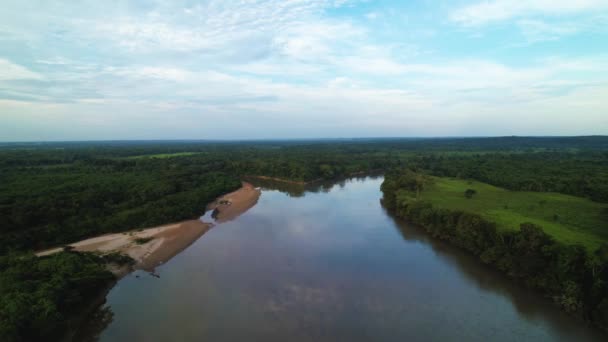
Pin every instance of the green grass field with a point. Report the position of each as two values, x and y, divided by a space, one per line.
164 155
568 219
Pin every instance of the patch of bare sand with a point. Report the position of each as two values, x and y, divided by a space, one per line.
154 246
230 206
162 243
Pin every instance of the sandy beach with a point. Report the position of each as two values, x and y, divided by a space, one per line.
153 246
231 205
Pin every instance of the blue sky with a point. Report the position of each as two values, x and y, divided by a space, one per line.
225 69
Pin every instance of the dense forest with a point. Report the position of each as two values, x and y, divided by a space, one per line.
51 197
42 297
579 174
56 193
43 207
52 194
576 279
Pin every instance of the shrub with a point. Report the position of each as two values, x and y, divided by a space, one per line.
469 193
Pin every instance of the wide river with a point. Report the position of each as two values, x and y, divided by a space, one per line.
326 264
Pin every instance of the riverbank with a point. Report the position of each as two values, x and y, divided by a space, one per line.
279 272
151 247
571 275
283 180
288 181
148 247
230 206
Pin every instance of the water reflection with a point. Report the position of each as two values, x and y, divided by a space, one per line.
529 304
299 190
325 262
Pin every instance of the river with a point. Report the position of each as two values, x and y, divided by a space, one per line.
326 264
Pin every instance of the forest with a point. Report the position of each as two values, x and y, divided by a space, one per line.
56 193
52 194
43 297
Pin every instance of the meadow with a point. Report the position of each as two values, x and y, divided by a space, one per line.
568 219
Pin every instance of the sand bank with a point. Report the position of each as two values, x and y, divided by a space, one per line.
230 206
148 247
153 246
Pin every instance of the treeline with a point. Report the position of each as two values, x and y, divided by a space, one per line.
56 193
583 174
506 143
575 279
44 207
42 298
53 197
309 165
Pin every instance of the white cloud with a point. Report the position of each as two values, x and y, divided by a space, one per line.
535 30
461 72
500 10
212 25
372 15
12 71
137 35
150 72
314 40
219 68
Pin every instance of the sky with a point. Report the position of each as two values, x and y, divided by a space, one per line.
224 69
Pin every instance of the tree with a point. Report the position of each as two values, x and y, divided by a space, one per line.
469 193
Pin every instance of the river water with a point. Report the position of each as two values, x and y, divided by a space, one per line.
326 263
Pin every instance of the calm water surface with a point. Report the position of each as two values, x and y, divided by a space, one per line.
327 264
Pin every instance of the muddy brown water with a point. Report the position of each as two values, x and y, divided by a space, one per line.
326 263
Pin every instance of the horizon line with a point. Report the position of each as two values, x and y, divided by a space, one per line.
300 139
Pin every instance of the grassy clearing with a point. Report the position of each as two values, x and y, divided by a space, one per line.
164 155
567 218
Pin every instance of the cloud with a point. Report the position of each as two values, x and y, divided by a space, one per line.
310 41
486 12
461 74
536 30
12 71
210 26
302 68
151 72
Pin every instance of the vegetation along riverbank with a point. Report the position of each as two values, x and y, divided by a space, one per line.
553 243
